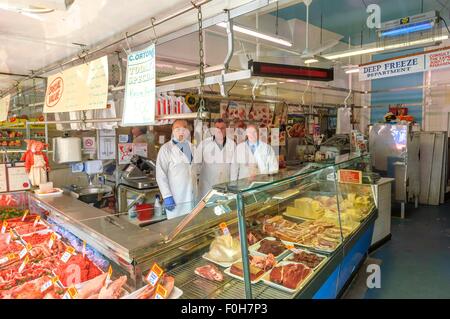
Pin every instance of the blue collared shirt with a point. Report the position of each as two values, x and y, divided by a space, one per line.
184 147
252 146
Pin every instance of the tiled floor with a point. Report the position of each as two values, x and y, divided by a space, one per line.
415 263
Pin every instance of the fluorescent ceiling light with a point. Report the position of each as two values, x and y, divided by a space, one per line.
416 27
352 53
416 42
258 35
309 61
352 71
210 69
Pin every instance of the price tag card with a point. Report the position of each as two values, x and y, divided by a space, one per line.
293 249
67 254
49 283
24 251
51 240
71 293
154 274
36 221
24 263
84 248
7 258
224 228
9 237
25 213
108 277
161 292
4 226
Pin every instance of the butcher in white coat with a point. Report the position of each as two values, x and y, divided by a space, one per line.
253 157
216 155
175 172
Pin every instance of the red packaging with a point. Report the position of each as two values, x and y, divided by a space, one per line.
144 211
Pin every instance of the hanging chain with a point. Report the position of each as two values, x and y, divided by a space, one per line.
202 63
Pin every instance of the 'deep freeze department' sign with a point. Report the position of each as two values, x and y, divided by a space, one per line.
139 105
390 68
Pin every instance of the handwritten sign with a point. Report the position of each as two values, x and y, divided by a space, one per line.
438 60
83 87
140 85
4 107
349 176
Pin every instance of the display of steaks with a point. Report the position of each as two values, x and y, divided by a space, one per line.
209 272
258 266
254 236
290 275
26 226
274 247
309 259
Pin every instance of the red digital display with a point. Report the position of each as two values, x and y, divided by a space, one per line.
291 71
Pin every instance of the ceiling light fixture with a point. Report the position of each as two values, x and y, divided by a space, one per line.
210 69
258 35
311 61
352 71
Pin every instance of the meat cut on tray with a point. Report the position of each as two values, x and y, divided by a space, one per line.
290 275
209 272
274 247
309 259
258 266
33 290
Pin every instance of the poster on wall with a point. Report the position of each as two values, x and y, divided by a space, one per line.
125 153
83 87
107 147
384 69
140 88
4 107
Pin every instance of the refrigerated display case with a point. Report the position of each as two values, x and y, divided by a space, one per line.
314 227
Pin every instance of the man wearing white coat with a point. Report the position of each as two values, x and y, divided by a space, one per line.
216 155
253 157
175 172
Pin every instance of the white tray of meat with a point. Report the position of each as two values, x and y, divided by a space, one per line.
310 259
259 265
34 289
149 292
288 276
221 264
269 245
98 288
52 192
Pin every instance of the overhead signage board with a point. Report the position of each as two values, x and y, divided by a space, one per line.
293 72
402 66
140 88
83 87
4 107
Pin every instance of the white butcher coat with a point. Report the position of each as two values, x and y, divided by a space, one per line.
176 177
215 163
246 164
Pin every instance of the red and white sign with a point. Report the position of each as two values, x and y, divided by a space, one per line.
89 145
83 87
349 176
438 60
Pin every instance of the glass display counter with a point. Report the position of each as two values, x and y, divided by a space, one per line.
296 234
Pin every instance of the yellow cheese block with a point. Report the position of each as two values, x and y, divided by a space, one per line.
306 209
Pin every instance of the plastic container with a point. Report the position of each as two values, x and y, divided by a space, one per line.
144 211
158 207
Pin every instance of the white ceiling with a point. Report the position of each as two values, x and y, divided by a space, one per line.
32 41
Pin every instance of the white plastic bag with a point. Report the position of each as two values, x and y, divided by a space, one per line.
344 125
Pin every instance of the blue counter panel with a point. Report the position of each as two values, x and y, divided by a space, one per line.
329 288
354 257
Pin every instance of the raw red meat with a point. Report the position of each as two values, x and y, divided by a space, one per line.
290 275
210 272
77 270
12 247
32 290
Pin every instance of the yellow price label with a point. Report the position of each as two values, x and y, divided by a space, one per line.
161 292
